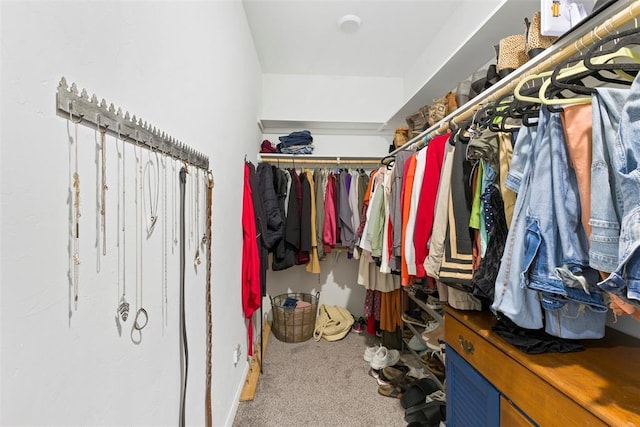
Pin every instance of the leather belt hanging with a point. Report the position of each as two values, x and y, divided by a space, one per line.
207 402
184 351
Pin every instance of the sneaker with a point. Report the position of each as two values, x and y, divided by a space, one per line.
385 357
415 317
433 364
358 326
433 303
377 374
416 344
434 336
369 352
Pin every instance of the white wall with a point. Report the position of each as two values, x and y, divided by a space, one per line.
189 68
330 98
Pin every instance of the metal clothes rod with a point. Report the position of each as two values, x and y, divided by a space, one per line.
545 61
78 106
309 159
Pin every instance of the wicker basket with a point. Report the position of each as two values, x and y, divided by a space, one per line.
294 324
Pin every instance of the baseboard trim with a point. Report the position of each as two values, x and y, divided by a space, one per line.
253 375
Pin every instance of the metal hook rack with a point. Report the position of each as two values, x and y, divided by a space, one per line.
70 103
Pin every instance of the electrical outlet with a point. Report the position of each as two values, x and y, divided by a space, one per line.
236 355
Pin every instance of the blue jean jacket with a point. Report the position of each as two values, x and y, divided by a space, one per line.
556 260
512 298
625 278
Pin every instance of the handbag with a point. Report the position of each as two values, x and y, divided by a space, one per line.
333 323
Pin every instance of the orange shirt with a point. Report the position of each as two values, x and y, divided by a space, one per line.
407 187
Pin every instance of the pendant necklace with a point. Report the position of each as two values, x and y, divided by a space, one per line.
76 212
141 318
165 159
151 217
103 198
123 305
98 194
190 173
196 178
174 225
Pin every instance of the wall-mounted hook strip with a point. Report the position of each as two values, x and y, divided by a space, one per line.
78 107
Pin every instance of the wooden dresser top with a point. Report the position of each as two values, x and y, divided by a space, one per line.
604 379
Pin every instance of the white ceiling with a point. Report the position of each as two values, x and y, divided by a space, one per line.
302 36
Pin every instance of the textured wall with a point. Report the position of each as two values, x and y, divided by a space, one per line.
189 68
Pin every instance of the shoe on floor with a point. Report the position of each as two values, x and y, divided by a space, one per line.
384 357
390 391
369 352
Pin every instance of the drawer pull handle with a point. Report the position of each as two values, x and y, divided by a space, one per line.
467 346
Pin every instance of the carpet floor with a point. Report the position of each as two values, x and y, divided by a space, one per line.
319 384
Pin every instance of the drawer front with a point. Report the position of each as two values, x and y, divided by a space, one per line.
471 400
538 399
510 416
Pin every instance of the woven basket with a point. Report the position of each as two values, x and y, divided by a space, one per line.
536 42
512 53
293 324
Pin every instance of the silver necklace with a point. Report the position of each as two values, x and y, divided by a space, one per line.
75 226
103 195
174 225
164 244
123 306
142 318
151 217
196 207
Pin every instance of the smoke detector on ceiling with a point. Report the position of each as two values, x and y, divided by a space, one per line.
349 23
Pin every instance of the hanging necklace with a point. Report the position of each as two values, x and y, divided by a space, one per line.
75 233
118 228
205 176
174 225
123 305
142 317
151 217
196 261
103 195
164 243
190 173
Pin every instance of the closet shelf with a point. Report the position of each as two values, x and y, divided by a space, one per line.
327 127
320 160
476 51
617 15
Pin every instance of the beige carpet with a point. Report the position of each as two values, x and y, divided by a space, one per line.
319 384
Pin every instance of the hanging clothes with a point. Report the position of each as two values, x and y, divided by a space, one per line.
427 201
344 210
313 266
320 183
304 193
407 186
395 212
261 226
251 294
329 234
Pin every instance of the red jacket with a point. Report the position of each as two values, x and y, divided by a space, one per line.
250 259
427 202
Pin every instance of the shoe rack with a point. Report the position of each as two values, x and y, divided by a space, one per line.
417 331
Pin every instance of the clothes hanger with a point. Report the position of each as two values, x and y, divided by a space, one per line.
619 49
570 72
579 71
520 95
